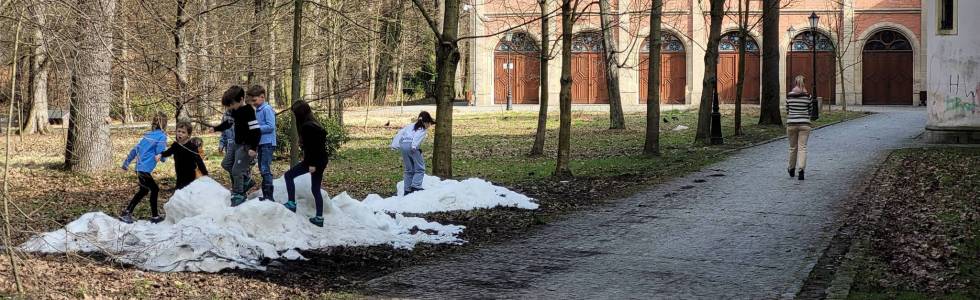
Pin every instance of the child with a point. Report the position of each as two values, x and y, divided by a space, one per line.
312 138
246 141
145 153
187 159
267 143
408 140
226 146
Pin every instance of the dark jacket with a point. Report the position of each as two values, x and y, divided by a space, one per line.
314 143
246 127
187 160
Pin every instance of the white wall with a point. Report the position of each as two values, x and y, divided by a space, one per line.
953 69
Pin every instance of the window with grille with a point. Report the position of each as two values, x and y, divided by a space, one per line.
947 16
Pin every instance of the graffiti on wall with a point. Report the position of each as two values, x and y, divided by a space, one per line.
961 103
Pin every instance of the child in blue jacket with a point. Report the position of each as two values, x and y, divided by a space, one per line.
145 153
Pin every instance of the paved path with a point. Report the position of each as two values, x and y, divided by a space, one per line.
739 229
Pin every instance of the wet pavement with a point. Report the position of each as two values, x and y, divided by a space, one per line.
738 229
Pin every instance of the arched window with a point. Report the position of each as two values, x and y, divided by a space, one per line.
519 42
887 40
730 42
670 44
589 41
804 42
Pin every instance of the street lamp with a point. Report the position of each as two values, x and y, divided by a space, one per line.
716 138
509 67
814 20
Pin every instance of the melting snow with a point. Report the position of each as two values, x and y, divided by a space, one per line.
203 233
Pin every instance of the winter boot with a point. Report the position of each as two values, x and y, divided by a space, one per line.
156 219
126 217
237 200
318 221
792 172
290 205
800 175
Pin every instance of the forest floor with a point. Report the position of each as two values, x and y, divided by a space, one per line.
607 164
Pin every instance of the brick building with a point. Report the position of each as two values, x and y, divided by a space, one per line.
880 59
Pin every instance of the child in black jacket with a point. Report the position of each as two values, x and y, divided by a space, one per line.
187 157
246 141
313 139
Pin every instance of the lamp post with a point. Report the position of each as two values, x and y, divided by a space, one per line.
716 138
509 67
814 20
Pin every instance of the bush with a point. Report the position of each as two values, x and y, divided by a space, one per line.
336 133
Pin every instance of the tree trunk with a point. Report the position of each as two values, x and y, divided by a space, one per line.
390 37
37 118
710 72
651 145
127 107
562 169
207 74
92 143
180 43
743 24
616 119
295 93
447 58
273 91
539 136
769 108
254 42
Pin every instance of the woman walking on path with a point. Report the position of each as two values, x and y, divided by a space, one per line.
313 140
798 112
408 141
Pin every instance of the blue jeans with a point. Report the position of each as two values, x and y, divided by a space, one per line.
414 166
265 168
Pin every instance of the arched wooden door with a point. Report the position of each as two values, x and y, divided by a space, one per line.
588 69
728 69
517 69
799 61
673 70
887 69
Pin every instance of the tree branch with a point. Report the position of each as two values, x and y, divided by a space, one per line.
428 19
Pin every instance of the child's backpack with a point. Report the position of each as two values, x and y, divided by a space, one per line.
197 142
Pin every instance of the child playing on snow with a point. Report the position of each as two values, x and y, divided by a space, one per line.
267 142
312 138
246 142
145 153
187 158
408 141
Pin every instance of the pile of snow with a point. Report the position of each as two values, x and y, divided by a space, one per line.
449 195
202 232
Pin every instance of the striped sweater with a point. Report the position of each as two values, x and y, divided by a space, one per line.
797 110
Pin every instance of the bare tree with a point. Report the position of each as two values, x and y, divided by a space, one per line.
296 93
769 104
447 58
37 117
92 146
543 57
743 33
616 118
568 15
651 144
710 71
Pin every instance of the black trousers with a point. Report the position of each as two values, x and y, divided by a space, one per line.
147 185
